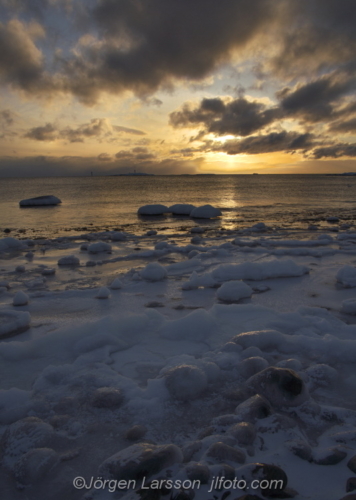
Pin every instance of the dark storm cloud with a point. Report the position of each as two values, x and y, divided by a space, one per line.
315 35
137 45
345 127
236 117
99 128
269 143
317 100
334 151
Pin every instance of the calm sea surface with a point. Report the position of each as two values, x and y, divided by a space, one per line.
106 203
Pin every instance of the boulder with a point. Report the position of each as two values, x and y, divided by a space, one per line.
40 201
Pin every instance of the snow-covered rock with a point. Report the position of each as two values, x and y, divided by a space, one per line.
118 236
233 291
104 293
99 247
349 306
39 201
181 209
35 465
13 322
140 460
20 299
116 284
186 382
69 260
259 270
153 272
347 276
9 243
153 210
205 212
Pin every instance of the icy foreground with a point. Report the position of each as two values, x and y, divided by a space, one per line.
232 357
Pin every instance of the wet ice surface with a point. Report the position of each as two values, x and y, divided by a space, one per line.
84 362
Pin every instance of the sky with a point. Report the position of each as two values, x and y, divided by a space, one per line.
177 87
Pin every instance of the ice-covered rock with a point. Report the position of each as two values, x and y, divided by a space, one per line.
222 452
20 299
254 408
118 236
233 291
139 461
69 260
40 201
104 293
251 366
259 270
347 276
153 210
244 432
196 240
116 284
186 382
349 306
154 272
260 227
34 465
13 322
280 386
8 244
332 219
205 212
181 209
99 247
23 436
152 232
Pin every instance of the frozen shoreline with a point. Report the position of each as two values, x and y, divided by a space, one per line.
136 341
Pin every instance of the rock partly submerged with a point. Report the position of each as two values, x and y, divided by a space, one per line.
40 201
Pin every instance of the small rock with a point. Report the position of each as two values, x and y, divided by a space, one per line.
152 232
154 303
351 484
198 471
140 460
352 464
136 432
107 397
20 269
186 382
104 293
196 240
221 451
29 255
90 263
244 432
190 449
254 408
48 272
116 284
7 230
20 299
69 260
329 456
300 448
274 475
